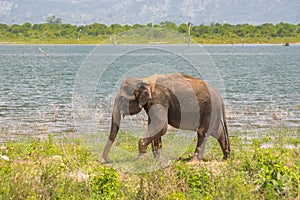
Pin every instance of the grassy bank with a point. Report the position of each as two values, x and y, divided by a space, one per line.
47 40
66 169
105 40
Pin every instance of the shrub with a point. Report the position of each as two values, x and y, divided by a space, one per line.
105 183
271 175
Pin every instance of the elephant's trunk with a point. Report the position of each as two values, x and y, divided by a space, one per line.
115 123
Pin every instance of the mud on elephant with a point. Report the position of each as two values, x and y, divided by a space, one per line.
179 100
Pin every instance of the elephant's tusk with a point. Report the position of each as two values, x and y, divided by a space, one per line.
122 115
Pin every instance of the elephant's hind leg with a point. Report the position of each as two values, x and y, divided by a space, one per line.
201 142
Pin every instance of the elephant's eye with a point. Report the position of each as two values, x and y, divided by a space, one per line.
132 98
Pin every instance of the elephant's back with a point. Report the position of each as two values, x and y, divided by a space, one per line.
189 101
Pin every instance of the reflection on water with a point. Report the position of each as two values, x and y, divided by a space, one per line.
36 90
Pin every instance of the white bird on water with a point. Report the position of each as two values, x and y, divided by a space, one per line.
43 52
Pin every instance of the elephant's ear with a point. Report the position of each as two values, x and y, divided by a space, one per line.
144 94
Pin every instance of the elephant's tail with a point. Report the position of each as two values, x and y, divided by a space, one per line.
226 135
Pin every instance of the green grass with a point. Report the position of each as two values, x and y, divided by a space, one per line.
173 39
70 169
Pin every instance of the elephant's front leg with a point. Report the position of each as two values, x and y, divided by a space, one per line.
156 147
157 127
155 140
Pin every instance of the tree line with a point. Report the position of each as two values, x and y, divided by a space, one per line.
54 29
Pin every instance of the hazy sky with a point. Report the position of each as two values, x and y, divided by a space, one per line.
155 11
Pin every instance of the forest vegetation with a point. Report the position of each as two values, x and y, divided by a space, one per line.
54 31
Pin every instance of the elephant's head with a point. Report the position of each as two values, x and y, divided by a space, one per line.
134 94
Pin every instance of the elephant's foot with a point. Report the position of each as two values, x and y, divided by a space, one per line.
195 160
142 156
105 162
226 155
157 154
225 158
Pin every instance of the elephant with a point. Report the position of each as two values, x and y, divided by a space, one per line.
179 100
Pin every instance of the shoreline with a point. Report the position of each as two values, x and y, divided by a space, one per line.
150 44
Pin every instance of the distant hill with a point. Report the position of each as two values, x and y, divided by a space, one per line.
155 11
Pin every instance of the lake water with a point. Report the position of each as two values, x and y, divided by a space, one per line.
43 88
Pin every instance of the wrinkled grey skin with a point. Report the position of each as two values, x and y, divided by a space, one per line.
180 100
